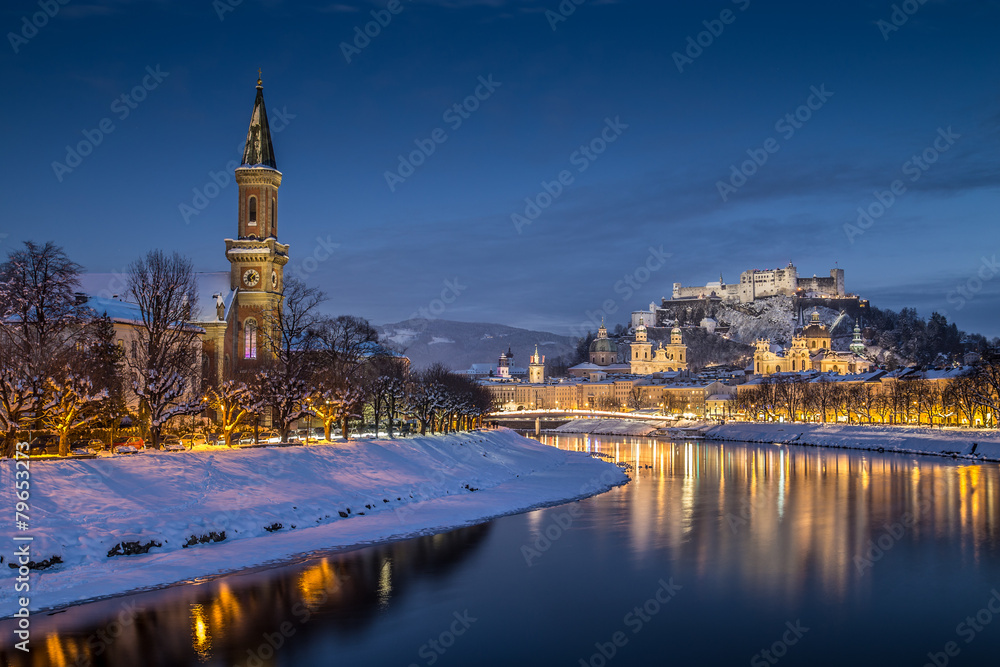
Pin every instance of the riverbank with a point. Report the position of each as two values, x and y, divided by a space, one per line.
980 445
245 508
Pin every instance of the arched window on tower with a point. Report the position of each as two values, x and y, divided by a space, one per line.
250 339
252 211
274 207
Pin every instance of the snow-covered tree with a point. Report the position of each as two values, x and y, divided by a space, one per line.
285 396
232 404
165 368
41 326
291 341
70 403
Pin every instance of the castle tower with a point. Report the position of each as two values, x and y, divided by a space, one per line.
255 256
536 368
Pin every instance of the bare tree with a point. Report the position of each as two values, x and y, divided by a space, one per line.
41 323
346 343
168 356
232 405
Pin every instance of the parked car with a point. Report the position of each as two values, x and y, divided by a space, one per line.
191 440
46 443
82 447
126 449
172 444
269 437
131 441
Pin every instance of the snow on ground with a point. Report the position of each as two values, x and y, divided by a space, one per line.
609 427
908 439
389 489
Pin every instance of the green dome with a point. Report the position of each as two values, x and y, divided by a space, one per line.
603 345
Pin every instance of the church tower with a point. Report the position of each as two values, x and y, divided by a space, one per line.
536 368
256 257
641 348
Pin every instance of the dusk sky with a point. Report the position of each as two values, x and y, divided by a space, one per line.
879 95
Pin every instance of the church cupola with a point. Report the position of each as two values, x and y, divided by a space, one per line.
857 344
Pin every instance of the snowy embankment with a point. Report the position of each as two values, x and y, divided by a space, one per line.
962 443
272 504
608 427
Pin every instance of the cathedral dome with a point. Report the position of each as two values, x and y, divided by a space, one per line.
603 345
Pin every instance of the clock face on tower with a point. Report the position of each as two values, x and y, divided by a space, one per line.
251 278
274 279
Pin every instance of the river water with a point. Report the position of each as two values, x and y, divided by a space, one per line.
715 554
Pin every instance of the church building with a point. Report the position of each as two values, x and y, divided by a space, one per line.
671 357
811 351
248 298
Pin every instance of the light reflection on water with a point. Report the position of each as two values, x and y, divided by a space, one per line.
758 535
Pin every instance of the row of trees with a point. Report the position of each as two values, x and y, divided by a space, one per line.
972 398
63 369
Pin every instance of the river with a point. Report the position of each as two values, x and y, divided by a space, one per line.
715 554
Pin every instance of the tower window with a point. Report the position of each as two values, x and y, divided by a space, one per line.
274 207
252 211
250 339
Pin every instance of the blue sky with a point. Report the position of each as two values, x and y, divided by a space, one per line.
385 251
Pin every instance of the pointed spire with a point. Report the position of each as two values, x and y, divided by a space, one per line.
259 151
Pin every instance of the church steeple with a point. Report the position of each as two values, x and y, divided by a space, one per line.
259 151
256 257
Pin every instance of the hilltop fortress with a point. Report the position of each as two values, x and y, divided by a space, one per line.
758 283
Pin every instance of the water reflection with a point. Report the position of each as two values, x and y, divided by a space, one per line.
224 619
880 554
770 519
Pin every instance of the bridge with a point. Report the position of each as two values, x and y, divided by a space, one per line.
566 415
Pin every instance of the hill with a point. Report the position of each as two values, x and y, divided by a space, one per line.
458 345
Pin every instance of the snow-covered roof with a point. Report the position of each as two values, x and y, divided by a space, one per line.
111 289
210 284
